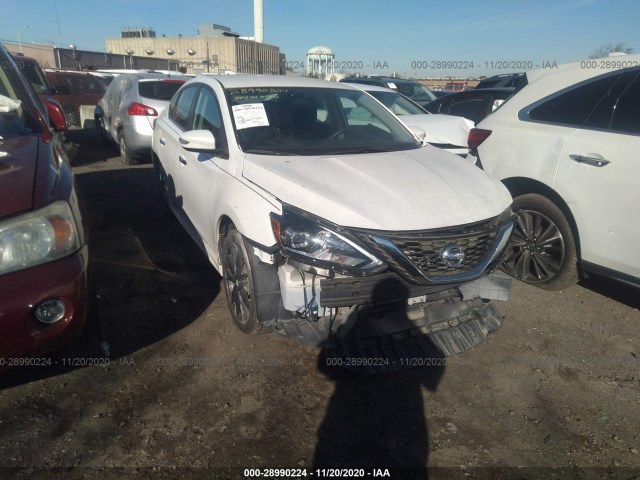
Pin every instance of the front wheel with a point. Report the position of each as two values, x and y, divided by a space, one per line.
542 249
239 286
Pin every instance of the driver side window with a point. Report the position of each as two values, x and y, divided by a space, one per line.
207 116
180 107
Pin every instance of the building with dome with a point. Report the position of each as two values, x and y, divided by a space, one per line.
320 61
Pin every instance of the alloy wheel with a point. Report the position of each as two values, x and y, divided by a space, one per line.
236 277
536 251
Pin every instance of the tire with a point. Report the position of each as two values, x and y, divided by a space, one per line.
239 267
542 249
127 156
100 137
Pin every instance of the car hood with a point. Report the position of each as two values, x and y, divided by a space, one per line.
441 129
18 159
417 189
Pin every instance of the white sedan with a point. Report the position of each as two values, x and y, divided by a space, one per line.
443 131
310 213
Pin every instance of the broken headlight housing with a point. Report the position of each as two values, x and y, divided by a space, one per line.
314 241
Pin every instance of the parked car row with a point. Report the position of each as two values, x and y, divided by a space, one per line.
413 90
321 203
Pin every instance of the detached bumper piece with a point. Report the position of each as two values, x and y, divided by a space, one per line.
385 340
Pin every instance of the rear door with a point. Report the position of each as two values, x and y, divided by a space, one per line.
165 141
598 176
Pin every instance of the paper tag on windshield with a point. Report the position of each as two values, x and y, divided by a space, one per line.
392 85
250 115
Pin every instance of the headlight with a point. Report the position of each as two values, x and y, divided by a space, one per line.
308 239
37 237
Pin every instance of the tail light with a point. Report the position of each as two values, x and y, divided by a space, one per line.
141 109
476 137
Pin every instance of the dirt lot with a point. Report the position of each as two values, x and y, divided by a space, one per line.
557 386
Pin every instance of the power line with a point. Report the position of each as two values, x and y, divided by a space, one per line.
55 7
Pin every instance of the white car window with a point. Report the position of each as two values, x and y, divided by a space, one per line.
180 107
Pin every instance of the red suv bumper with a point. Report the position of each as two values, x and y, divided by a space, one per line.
21 333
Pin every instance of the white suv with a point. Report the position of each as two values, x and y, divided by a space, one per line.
312 215
566 146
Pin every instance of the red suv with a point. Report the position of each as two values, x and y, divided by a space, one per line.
34 74
78 93
44 255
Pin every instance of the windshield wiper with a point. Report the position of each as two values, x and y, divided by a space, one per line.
270 152
365 150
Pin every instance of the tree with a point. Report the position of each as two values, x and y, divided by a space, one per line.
608 48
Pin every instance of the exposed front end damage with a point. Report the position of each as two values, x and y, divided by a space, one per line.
426 294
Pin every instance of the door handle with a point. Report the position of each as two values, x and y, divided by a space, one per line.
182 160
162 142
593 161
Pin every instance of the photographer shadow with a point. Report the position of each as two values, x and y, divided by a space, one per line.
377 420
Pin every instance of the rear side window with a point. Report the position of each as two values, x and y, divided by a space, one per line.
180 107
159 90
626 117
577 105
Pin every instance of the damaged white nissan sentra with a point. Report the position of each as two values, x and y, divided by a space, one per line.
304 208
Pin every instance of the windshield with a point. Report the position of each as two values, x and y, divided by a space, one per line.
14 118
415 91
314 121
35 76
397 103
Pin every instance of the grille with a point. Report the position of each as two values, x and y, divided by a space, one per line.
426 253
417 256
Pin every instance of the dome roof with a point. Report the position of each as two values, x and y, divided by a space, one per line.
320 50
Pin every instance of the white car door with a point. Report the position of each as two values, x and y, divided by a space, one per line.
165 141
199 171
599 176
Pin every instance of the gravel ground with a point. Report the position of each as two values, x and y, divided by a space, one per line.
554 393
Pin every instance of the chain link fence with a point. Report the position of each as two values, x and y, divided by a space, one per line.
78 93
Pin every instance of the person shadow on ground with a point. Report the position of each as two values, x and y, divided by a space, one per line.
377 421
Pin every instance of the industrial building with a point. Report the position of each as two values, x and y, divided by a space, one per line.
214 49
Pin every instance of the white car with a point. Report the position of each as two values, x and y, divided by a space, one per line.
126 112
567 148
443 131
307 212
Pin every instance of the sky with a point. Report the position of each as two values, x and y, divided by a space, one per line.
413 38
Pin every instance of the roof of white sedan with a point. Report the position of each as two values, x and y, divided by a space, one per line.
369 88
246 81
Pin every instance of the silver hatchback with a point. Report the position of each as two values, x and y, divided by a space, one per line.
130 106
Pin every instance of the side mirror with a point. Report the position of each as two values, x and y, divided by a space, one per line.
56 116
198 141
418 132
